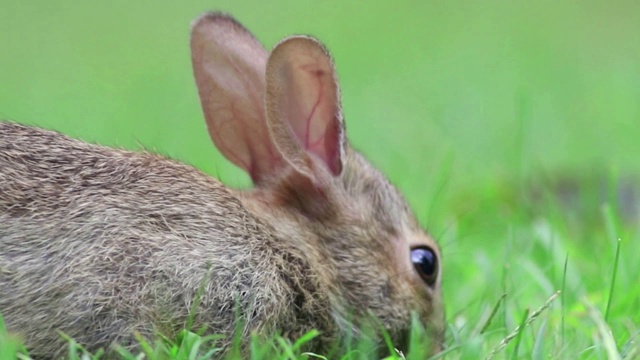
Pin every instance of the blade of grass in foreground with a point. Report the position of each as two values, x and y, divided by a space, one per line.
519 335
538 346
515 331
608 342
562 299
505 274
493 313
613 281
297 345
418 347
9 347
631 349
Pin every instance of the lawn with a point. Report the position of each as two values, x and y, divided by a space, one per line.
511 127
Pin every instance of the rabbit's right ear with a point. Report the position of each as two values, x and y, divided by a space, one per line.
303 107
229 68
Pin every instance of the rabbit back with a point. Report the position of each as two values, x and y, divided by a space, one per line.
99 243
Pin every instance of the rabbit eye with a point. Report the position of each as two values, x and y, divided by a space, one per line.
426 263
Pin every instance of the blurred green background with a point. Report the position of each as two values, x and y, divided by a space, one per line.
451 99
494 87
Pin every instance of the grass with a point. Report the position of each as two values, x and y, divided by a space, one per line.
511 128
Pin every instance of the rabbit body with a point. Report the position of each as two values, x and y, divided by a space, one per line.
114 241
101 243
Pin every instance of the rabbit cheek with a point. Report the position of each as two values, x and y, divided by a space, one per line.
423 299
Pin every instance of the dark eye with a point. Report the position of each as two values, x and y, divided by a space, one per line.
426 263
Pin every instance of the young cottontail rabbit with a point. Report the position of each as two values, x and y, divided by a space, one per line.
101 243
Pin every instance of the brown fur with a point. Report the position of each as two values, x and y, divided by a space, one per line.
99 243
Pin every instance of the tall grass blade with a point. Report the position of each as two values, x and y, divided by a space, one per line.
514 355
608 342
493 313
538 346
562 299
613 281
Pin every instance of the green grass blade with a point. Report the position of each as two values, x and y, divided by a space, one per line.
562 300
538 346
613 281
604 332
10 347
305 339
315 356
287 348
419 346
493 313
514 355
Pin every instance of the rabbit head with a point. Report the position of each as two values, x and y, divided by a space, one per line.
277 115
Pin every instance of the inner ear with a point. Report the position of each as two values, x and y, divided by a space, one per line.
303 104
229 68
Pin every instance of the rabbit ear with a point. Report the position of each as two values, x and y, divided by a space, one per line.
303 105
229 69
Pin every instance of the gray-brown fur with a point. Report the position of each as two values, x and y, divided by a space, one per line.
99 243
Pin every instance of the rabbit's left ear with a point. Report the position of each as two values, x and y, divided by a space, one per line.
303 106
229 69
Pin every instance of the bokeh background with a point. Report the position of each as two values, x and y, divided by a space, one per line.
460 103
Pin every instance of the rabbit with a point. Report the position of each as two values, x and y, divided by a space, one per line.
102 243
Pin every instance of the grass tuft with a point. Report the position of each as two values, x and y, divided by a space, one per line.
526 321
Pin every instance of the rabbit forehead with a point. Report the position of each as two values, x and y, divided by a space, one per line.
372 195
